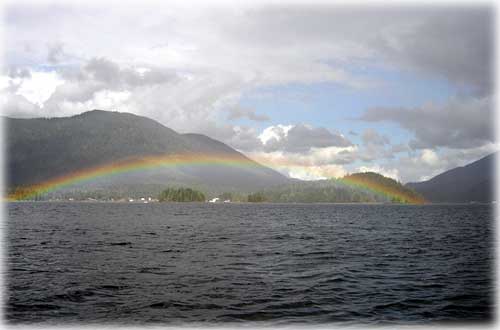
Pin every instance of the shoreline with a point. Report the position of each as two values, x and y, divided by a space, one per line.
246 203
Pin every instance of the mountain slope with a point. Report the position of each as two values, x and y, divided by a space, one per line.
39 149
390 188
473 182
366 187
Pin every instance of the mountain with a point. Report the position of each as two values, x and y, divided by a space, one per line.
471 183
39 149
390 188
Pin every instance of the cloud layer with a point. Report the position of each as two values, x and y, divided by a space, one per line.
189 67
461 123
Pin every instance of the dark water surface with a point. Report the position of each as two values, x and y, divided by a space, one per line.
142 263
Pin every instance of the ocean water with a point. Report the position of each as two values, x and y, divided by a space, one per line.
90 263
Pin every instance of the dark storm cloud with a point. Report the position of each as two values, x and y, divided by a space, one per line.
455 43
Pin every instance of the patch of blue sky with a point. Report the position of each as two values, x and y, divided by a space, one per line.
47 68
337 107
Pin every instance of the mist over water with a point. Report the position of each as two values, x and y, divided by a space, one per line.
308 263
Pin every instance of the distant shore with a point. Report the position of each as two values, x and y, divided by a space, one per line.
245 203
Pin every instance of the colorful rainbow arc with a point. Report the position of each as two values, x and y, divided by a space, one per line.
151 162
125 166
389 192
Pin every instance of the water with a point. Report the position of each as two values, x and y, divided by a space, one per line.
169 263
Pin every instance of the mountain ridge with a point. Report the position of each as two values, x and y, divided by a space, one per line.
42 148
39 149
473 182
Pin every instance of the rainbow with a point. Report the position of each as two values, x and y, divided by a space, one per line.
168 161
391 193
125 166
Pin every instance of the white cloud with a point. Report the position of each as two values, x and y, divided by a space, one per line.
316 164
38 87
425 164
304 167
278 133
429 157
316 172
5 82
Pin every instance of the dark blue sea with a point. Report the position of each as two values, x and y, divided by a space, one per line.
119 263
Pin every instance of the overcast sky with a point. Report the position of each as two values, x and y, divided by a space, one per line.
315 91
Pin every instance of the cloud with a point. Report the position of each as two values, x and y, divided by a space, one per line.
424 164
301 138
55 53
112 75
220 52
185 66
242 138
35 87
375 146
317 164
181 102
13 73
319 143
238 112
400 147
371 137
320 154
315 172
460 123
454 43
429 157
17 106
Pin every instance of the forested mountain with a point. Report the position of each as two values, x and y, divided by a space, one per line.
474 182
39 149
355 188
43 148
390 188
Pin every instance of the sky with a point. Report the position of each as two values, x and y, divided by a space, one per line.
313 90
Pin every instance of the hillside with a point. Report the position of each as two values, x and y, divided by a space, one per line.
474 182
390 188
39 149
355 188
